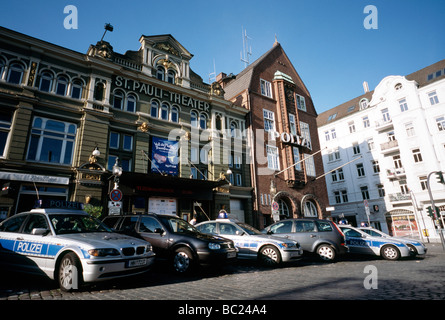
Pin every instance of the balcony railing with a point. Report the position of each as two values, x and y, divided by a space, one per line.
389 145
398 197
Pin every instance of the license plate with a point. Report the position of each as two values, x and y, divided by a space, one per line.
136 263
231 255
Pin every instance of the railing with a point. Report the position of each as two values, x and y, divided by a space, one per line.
389 145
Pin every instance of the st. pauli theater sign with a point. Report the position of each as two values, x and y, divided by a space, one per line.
152 91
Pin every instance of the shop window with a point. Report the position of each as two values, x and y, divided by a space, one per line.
52 141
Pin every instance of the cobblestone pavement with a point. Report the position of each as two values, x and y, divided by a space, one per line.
308 279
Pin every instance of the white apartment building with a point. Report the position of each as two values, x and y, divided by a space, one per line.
384 145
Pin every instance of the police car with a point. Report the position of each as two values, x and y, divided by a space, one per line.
417 247
251 243
360 242
67 244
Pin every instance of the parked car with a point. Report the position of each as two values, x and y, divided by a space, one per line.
69 246
318 236
360 242
417 247
251 243
175 239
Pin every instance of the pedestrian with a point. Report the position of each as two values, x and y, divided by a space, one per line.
223 213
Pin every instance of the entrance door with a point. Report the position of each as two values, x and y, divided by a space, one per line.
236 210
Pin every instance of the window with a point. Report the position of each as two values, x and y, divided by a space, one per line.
269 120
284 226
334 155
365 122
272 158
52 141
381 190
365 192
296 153
375 166
239 181
76 89
363 104
334 176
440 123
332 117
360 170
341 196
327 135
333 134
292 124
409 127
417 155
356 148
403 187
15 73
266 88
310 210
118 99
233 129
433 98
397 162
283 208
310 166
385 115
120 147
351 126
5 127
149 224
131 103
305 133
370 143
164 112
304 226
344 196
301 102
423 182
46 82
337 175
194 119
175 114
62 85
203 121
154 109
171 76
160 73
403 105
337 197
99 91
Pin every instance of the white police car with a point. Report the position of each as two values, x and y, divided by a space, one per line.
251 243
70 246
360 242
417 247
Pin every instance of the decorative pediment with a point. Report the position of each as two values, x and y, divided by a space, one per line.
167 44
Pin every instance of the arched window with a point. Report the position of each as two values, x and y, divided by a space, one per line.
310 209
283 208
2 68
99 91
46 81
164 112
203 121
233 129
62 85
194 119
171 76
76 89
175 114
154 109
160 73
15 73
131 103
118 99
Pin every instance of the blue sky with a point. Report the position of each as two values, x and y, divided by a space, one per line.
325 40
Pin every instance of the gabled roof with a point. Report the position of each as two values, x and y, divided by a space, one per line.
167 43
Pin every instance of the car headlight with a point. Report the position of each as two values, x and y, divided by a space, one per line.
214 246
148 248
103 252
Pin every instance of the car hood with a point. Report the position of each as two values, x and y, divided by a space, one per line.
103 239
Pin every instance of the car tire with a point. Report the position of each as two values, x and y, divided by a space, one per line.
183 261
69 272
326 252
390 252
270 256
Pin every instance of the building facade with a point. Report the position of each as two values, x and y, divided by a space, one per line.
382 149
282 133
77 126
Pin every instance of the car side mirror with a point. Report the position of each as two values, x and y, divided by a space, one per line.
160 231
269 232
40 231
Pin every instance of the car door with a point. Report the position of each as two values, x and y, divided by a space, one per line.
151 230
238 236
356 242
305 234
10 234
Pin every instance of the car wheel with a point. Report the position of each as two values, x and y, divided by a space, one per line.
183 260
326 252
270 256
69 273
390 253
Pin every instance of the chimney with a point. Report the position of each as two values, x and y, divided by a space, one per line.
365 86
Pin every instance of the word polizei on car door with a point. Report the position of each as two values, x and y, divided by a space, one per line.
70 246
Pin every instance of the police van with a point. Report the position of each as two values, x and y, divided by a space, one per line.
65 243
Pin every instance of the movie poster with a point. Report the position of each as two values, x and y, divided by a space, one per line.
164 156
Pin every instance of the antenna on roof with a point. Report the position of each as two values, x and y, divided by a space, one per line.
212 75
247 51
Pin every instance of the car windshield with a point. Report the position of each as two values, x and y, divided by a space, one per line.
249 229
373 233
76 223
177 225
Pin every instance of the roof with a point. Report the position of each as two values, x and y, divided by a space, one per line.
422 77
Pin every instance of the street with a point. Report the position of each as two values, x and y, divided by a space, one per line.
350 278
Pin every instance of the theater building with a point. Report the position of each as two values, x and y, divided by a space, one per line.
68 118
285 157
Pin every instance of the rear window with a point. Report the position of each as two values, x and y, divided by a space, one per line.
324 226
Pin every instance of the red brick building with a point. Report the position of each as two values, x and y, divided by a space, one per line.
282 133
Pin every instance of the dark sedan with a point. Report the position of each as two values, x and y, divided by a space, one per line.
175 239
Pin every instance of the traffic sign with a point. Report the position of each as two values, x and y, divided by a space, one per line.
116 195
275 206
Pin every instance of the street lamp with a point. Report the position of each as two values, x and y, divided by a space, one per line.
117 172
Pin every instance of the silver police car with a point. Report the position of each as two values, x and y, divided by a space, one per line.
69 246
251 243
